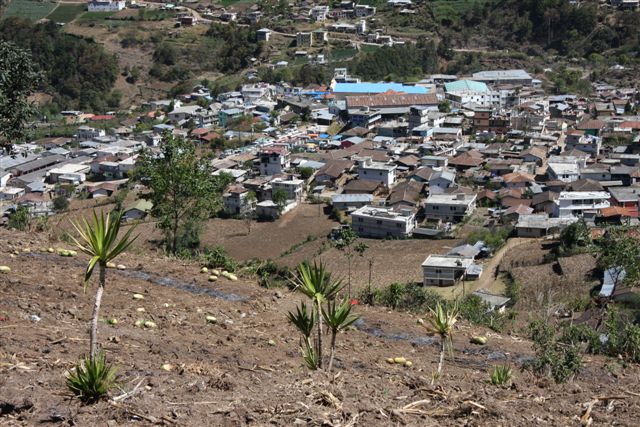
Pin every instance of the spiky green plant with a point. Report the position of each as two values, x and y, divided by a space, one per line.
441 323
501 375
91 379
314 281
305 321
100 241
338 318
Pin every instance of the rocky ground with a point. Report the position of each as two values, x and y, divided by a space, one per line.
245 369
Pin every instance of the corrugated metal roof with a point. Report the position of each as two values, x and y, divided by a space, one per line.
466 86
377 88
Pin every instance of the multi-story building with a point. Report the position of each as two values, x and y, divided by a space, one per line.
294 188
86 133
449 207
581 203
383 173
319 13
304 39
444 270
274 160
237 202
370 221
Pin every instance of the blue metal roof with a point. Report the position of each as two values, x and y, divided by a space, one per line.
366 88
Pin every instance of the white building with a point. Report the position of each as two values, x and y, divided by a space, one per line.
444 270
384 173
565 168
105 5
449 207
294 188
86 133
319 13
581 203
235 201
370 221
274 160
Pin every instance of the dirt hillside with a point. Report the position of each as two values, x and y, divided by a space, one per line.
246 369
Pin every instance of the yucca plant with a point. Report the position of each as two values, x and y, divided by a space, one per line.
338 318
304 321
314 281
441 323
100 241
91 378
501 375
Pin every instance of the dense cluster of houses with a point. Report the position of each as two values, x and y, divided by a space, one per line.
399 160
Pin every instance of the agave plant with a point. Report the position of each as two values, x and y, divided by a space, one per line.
338 318
100 241
305 321
441 323
315 283
501 375
91 379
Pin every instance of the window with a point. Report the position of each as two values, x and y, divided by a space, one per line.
360 219
379 222
398 225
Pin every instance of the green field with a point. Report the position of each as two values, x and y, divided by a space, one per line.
341 54
89 17
453 8
29 9
66 12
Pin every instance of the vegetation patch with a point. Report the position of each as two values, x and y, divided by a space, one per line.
29 9
66 12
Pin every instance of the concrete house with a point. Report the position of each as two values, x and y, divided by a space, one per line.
581 203
449 207
274 160
441 180
370 221
383 173
235 201
351 201
444 270
294 188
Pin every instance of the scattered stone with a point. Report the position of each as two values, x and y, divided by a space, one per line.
138 296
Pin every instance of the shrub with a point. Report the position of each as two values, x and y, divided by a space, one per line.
393 295
60 204
562 361
501 375
92 379
19 219
218 258
492 238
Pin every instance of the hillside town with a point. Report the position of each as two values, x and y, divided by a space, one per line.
395 160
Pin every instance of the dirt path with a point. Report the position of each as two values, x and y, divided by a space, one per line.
490 268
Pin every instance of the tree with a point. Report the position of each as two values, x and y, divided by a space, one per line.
441 323
249 213
347 244
100 241
444 107
315 282
182 188
18 80
576 235
279 197
621 252
305 172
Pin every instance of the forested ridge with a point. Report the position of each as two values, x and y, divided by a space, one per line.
78 73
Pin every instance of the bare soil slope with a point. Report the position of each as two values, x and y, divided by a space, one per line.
229 374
